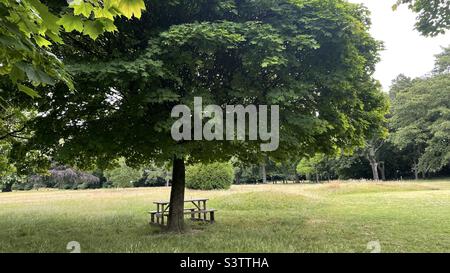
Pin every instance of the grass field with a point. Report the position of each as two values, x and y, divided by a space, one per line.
334 217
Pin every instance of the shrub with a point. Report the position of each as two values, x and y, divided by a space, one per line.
63 177
7 182
150 182
209 176
123 176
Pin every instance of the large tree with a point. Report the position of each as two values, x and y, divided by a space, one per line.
315 59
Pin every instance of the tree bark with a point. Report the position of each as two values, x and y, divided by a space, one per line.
238 179
176 210
416 171
263 173
371 155
382 171
297 179
374 166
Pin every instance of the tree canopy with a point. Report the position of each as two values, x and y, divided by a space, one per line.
314 62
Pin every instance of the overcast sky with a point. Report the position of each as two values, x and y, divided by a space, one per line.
406 51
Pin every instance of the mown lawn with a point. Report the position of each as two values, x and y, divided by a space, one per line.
333 217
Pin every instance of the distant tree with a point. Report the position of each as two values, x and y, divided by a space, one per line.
246 173
399 84
443 61
352 167
433 15
421 121
373 143
391 162
63 177
6 169
287 169
154 175
310 167
371 153
122 175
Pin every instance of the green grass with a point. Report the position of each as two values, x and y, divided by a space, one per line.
334 217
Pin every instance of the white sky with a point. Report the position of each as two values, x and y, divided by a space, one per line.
406 50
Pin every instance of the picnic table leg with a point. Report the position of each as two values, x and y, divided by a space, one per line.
204 209
211 216
167 209
158 211
192 214
162 215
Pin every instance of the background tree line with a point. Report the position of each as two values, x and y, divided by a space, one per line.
419 134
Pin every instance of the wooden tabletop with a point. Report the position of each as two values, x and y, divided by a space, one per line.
185 201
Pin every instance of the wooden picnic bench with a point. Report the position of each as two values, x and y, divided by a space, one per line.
199 211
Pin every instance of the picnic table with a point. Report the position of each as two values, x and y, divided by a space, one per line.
198 211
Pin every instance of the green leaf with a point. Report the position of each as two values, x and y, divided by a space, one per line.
103 13
108 25
41 41
34 74
48 19
81 7
17 74
93 29
30 92
55 38
8 41
71 23
130 8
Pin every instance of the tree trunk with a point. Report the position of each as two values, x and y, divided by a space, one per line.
374 166
176 211
263 173
382 170
372 158
238 179
416 171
